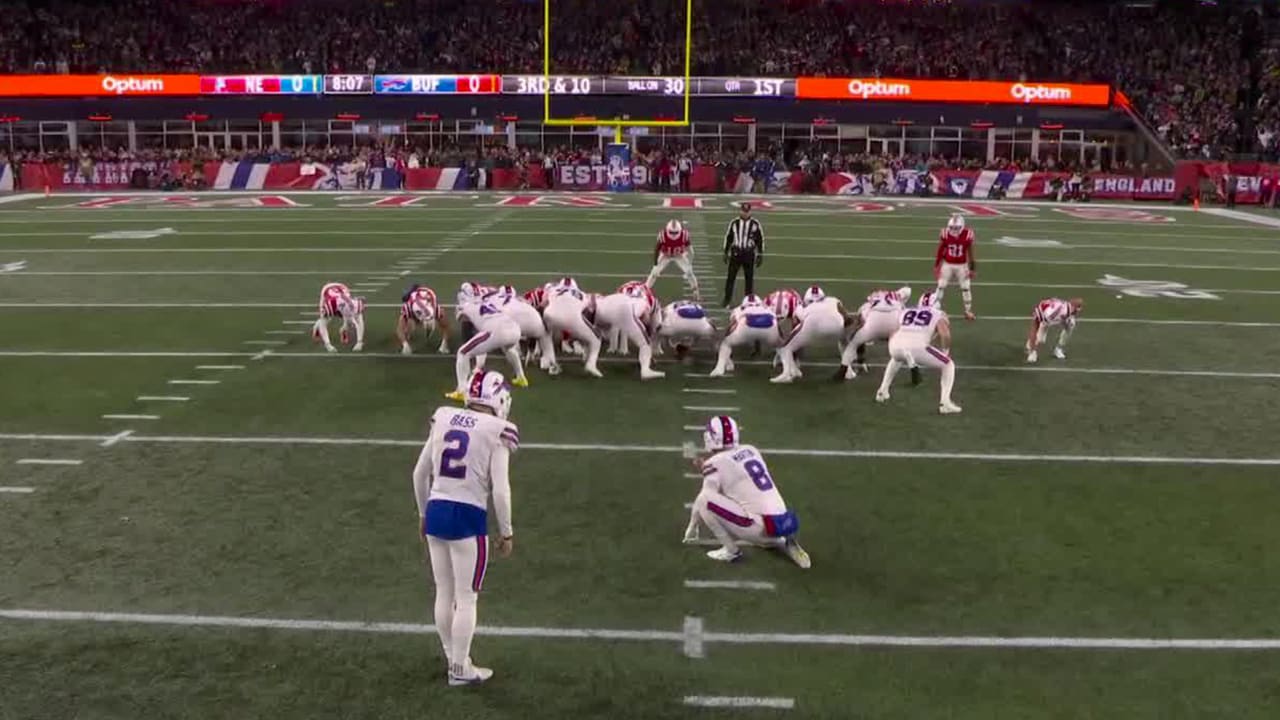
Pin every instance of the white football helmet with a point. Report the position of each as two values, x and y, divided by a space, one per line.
567 282
422 311
812 295
751 300
673 229
931 299
904 293
489 390
721 433
469 292
955 225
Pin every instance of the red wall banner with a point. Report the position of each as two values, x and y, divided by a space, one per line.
97 85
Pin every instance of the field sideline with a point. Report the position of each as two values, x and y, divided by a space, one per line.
196 521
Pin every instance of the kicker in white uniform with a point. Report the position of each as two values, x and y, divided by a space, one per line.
1048 313
463 464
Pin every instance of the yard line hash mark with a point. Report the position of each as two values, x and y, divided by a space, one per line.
122 416
111 441
162 398
219 367
194 382
17 490
709 391
729 585
711 408
49 461
739 701
693 636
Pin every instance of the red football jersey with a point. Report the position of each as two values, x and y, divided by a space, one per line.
955 249
678 245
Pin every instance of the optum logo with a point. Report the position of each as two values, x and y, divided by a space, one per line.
122 86
878 88
1038 93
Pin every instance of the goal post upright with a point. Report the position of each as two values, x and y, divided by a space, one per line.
617 123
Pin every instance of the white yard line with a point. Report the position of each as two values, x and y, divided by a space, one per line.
297 322
692 476
599 447
710 408
729 585
287 332
17 490
710 391
273 343
194 382
163 398
739 701
665 636
49 461
121 416
693 634
1046 368
693 428
112 440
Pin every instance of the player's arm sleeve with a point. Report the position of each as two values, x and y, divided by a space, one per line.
499 475
422 477
710 478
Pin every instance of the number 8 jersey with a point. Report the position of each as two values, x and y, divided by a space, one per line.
740 474
462 464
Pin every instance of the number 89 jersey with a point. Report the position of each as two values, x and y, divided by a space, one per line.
740 474
921 322
463 443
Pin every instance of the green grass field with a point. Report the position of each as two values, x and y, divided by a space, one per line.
251 551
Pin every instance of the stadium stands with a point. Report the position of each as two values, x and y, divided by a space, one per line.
1205 76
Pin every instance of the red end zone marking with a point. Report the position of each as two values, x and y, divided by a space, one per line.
682 203
557 200
870 207
979 210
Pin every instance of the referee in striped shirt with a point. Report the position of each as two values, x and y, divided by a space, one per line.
743 249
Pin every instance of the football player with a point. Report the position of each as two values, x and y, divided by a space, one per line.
751 323
420 310
954 261
632 315
911 347
1048 313
462 467
495 330
876 319
532 332
784 304
673 247
739 502
336 301
469 292
819 318
571 311
683 323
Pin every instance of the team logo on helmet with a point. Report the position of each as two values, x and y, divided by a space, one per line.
489 389
931 299
721 433
813 295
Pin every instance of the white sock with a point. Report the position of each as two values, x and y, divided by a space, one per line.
948 379
463 629
967 296
646 357
890 372
462 369
444 622
722 361
513 357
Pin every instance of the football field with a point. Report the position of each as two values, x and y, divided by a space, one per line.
204 515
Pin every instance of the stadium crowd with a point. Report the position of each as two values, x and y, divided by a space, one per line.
1205 75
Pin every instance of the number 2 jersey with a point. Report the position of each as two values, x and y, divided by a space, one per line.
463 463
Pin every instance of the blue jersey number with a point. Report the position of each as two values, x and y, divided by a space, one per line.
758 474
917 317
455 451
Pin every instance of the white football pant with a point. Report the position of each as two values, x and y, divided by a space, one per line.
914 350
813 328
531 327
876 325
744 335
729 522
458 567
564 315
957 273
683 262
499 333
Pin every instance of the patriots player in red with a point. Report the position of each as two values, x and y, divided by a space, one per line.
673 247
954 261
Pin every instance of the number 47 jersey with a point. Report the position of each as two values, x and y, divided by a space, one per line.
460 455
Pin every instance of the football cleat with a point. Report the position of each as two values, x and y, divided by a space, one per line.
462 674
783 377
521 381
594 372
1058 353
1032 356
915 376
949 408
797 554
882 397
456 395
968 315
725 555
651 374
842 373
